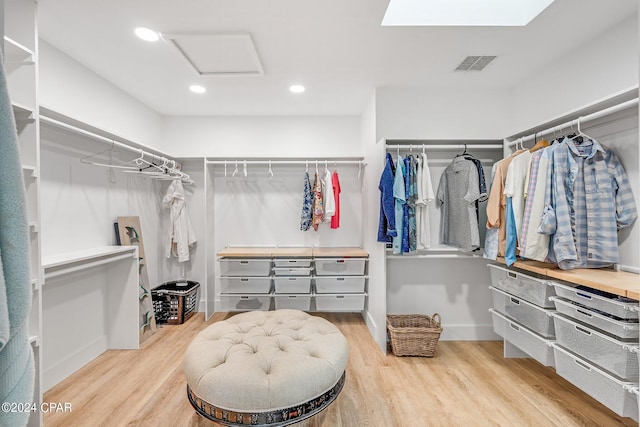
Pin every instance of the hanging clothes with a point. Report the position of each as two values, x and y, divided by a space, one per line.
511 242
491 238
17 369
318 209
328 197
181 235
482 185
497 202
457 192
424 200
399 203
593 200
387 222
411 195
335 183
529 194
514 187
307 205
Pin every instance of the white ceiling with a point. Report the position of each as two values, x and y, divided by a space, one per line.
336 48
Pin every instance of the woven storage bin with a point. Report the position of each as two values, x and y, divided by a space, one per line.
175 302
413 334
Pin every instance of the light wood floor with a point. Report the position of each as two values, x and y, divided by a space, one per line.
466 384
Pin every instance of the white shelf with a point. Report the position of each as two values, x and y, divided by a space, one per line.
68 262
14 52
62 259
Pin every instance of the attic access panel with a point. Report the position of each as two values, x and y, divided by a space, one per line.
218 54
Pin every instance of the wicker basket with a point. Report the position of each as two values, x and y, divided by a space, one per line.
413 334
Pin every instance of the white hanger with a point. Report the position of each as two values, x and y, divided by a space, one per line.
270 171
245 168
316 166
306 166
236 170
225 168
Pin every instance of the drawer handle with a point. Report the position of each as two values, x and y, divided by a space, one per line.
584 313
585 296
292 296
339 296
339 261
515 301
514 327
512 274
244 297
584 331
244 262
292 278
244 280
582 365
340 279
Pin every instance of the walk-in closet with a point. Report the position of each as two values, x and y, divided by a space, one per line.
261 179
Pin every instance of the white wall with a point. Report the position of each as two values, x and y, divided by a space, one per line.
418 113
258 136
594 71
69 88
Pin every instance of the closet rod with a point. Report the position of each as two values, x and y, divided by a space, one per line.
101 138
446 146
286 162
579 121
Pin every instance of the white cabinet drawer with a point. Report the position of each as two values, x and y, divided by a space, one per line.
292 285
295 302
339 284
610 391
340 266
531 316
614 356
245 285
244 302
534 345
340 302
614 305
245 267
292 262
532 289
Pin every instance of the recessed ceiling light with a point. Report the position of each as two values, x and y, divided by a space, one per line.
463 12
197 89
296 88
147 34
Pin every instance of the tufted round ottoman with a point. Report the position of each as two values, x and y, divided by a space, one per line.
265 368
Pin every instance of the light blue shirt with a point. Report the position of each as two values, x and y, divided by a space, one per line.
400 200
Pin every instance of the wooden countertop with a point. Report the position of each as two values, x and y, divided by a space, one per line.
616 282
267 252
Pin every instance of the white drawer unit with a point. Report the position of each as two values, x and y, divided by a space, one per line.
292 271
617 357
245 285
614 305
340 284
244 302
534 345
292 285
525 286
245 267
354 302
499 322
625 329
612 392
537 319
295 302
292 262
340 266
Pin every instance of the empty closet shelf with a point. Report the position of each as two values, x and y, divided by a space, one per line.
69 262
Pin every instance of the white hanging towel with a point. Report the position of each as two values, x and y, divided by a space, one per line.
181 236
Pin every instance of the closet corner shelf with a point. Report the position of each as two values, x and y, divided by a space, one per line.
59 264
616 282
16 53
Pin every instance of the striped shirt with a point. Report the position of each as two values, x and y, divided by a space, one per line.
530 187
591 199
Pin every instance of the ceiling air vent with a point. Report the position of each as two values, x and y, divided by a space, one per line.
475 63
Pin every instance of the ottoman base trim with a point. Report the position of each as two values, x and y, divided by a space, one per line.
279 417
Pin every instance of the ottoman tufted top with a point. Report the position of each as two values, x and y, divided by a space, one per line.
265 360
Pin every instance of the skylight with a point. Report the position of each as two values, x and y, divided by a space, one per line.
463 12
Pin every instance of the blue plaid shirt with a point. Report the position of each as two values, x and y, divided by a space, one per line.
589 200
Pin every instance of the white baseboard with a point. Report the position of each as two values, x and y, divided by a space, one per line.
74 361
469 333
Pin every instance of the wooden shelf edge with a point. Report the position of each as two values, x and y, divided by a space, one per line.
620 283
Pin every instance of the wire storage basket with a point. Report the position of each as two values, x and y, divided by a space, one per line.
413 334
